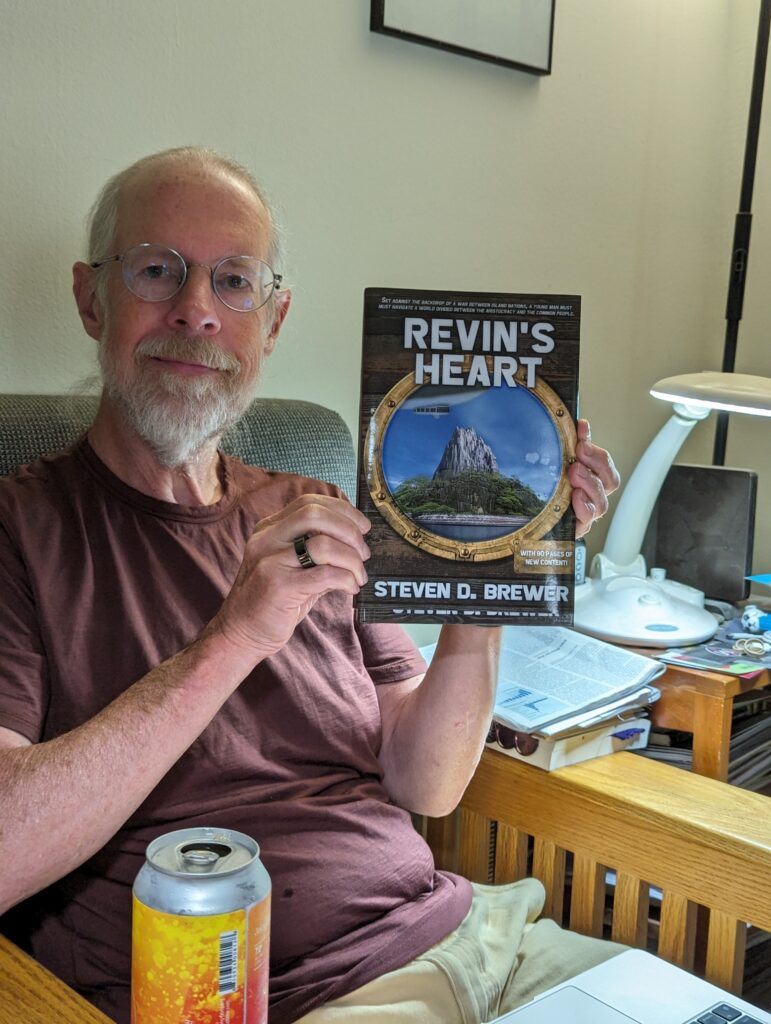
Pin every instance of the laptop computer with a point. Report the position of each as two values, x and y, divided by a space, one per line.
636 988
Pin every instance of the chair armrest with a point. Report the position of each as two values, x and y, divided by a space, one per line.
709 840
30 993
702 843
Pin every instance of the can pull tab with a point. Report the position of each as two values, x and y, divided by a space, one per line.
203 858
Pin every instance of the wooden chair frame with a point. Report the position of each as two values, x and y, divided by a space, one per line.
705 845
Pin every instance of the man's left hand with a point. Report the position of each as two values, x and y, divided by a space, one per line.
593 477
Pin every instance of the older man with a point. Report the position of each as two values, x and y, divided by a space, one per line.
168 662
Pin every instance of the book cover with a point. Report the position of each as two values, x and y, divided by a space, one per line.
467 430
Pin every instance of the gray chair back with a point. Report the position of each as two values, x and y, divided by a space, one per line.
277 433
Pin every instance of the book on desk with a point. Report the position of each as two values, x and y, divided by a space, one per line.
563 697
551 752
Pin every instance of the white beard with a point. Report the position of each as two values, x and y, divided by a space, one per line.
177 415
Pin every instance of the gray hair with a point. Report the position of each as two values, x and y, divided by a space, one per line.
102 221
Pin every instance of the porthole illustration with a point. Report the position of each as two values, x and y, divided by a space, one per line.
470 473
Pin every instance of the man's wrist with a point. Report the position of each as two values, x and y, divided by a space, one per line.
220 640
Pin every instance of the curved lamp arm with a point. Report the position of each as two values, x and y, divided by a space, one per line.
630 520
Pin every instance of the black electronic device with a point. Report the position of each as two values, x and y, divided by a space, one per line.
702 529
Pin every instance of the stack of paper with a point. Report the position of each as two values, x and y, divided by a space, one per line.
578 697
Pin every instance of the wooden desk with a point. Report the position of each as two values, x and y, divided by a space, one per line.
701 702
32 995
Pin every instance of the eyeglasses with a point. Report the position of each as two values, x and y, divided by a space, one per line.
155 273
511 739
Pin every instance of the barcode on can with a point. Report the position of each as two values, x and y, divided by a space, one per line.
228 962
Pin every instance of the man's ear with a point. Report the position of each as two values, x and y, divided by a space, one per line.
281 304
88 303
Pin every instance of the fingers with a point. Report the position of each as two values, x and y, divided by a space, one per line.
593 477
585 513
273 591
326 550
319 517
597 460
333 531
280 571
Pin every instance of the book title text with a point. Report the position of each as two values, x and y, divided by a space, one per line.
475 353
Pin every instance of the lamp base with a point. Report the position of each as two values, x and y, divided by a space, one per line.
640 612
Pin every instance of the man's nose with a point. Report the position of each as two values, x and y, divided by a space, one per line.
194 307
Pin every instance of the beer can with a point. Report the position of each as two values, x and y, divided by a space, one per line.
200 930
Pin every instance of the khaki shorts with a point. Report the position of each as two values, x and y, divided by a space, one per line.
499 958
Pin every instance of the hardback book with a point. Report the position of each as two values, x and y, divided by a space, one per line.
468 403
551 752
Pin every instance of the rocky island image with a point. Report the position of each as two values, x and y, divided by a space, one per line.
486 461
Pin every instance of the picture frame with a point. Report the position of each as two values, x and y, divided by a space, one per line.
512 33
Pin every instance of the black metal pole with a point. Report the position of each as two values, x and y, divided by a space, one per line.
743 224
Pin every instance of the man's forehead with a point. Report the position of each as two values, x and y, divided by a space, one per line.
202 202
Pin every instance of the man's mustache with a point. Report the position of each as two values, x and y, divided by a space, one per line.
197 349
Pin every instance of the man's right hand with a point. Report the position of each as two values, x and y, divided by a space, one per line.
272 591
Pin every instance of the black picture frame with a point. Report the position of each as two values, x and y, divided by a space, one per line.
517 34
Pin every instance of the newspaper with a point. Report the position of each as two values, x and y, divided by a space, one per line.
549 674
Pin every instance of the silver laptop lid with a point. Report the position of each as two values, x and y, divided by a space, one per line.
634 986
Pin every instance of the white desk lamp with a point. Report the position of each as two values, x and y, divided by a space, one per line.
619 601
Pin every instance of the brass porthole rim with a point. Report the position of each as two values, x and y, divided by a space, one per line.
463 550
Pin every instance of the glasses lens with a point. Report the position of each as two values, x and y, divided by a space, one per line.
506 738
243 282
153 272
510 739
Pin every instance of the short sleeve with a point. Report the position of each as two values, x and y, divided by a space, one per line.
389 654
23 668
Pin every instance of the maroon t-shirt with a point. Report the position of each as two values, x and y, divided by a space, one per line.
99 584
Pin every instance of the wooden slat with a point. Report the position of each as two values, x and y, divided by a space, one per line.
549 867
677 930
725 951
475 838
587 896
630 910
510 854
681 832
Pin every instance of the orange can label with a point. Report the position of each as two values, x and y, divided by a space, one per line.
200 970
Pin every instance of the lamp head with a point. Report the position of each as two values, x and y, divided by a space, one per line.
729 392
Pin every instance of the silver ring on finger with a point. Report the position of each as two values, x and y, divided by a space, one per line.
301 550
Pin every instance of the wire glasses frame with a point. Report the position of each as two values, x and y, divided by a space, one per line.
156 273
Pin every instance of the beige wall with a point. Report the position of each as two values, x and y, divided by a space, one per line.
617 177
